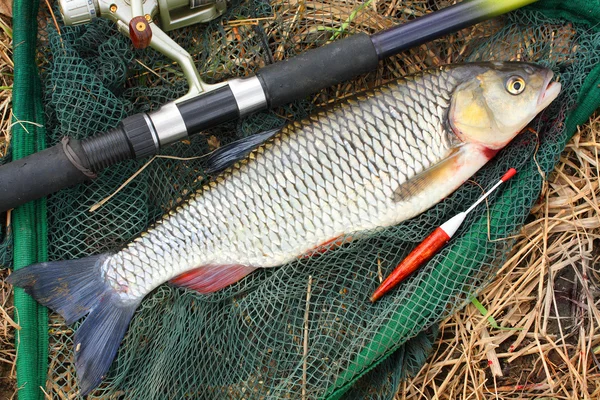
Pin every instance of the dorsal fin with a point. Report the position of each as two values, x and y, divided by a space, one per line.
226 156
210 278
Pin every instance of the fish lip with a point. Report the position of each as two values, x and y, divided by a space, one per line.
549 94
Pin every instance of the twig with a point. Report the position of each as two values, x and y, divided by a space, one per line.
139 171
490 352
8 319
22 123
305 339
149 69
249 21
46 395
53 20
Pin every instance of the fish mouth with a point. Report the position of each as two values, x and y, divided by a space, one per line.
549 94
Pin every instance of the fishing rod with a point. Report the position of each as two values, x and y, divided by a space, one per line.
74 161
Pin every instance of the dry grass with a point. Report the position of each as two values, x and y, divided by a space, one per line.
6 78
7 339
548 291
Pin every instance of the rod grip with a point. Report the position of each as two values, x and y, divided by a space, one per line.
40 174
313 70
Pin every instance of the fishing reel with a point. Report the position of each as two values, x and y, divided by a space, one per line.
136 20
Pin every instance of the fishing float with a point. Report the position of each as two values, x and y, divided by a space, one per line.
432 243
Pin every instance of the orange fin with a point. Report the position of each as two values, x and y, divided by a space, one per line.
326 246
210 278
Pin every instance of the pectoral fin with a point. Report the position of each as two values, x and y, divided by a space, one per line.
439 172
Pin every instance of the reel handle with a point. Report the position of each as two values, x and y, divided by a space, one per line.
140 32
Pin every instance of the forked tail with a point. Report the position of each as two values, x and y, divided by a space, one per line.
73 289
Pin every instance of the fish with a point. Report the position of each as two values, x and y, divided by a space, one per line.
375 160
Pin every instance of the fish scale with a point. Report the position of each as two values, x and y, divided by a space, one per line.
294 170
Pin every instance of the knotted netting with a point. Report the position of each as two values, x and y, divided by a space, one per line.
306 329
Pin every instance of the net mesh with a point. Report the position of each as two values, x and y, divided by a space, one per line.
5 245
305 329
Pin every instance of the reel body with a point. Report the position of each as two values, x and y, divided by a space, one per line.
136 20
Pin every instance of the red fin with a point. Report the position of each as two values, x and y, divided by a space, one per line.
210 278
326 246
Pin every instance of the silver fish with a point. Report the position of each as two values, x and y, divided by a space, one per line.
375 160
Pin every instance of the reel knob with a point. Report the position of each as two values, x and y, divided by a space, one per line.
77 12
140 32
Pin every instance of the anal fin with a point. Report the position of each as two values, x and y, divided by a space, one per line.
210 278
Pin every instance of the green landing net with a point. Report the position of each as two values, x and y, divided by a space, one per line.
306 329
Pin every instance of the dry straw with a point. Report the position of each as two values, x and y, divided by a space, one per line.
6 75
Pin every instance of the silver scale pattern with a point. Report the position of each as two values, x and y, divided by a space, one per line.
330 175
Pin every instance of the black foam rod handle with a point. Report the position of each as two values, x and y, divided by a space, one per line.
38 175
313 70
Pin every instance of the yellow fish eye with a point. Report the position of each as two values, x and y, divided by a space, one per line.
515 85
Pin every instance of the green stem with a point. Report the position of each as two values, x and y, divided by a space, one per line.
7 29
490 319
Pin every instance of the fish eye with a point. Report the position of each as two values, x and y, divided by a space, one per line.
515 85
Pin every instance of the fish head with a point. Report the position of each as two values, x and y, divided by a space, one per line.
496 100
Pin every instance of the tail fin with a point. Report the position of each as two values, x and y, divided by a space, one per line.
73 289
